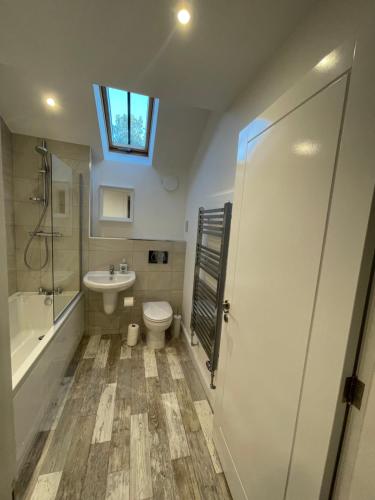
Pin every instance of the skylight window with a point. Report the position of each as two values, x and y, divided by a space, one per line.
128 118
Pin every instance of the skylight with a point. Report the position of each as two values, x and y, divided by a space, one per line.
127 125
128 118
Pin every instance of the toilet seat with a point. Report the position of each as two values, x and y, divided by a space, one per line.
157 312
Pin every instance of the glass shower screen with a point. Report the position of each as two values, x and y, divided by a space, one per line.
66 228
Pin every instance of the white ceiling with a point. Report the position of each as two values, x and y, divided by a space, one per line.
61 47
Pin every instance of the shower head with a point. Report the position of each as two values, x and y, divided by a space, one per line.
41 150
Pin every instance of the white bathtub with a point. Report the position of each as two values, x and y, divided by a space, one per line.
41 352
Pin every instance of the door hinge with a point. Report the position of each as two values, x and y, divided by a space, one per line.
353 391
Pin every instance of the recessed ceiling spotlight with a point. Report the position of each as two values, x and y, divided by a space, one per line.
183 16
51 102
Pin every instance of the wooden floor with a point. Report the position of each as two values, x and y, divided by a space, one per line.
129 423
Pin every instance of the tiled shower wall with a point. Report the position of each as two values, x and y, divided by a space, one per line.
7 172
28 182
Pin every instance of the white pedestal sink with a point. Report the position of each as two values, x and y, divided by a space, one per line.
109 285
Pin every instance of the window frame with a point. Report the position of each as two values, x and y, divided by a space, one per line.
126 149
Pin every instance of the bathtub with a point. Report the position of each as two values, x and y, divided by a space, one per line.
41 352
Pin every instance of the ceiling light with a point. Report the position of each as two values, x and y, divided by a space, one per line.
51 102
183 16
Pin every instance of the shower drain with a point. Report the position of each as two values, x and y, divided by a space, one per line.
41 337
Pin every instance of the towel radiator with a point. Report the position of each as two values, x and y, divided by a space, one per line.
209 281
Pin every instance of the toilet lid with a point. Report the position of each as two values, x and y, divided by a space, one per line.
157 311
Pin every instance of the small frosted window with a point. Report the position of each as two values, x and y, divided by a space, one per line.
116 204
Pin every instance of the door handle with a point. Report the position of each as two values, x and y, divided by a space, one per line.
226 308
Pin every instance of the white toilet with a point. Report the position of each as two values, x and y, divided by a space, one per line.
157 317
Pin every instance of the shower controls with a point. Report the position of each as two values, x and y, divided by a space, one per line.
157 257
46 235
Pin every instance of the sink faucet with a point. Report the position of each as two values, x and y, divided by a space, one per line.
111 269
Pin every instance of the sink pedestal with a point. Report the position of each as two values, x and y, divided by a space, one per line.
109 302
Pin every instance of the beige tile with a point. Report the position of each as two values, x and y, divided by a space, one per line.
8 186
102 260
26 188
110 245
176 300
179 246
146 245
11 239
26 164
28 281
9 212
141 282
12 263
159 281
33 257
105 321
12 282
22 235
177 280
22 142
26 213
178 261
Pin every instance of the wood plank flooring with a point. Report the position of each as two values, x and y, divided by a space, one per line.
127 424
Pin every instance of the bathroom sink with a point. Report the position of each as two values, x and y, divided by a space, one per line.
109 285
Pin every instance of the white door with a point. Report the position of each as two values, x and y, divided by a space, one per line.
280 231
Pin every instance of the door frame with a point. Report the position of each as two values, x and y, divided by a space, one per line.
345 257
339 474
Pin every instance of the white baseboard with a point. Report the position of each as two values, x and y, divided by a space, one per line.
200 366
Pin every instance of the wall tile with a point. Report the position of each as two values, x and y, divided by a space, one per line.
177 280
110 245
160 281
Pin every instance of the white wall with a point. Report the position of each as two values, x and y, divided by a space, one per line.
212 176
158 214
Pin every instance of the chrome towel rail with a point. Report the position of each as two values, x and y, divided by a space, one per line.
207 309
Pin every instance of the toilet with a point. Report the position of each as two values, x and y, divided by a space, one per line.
157 317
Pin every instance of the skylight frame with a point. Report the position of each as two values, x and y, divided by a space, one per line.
143 152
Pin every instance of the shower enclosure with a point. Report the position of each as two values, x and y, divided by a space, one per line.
56 235
46 312
50 252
